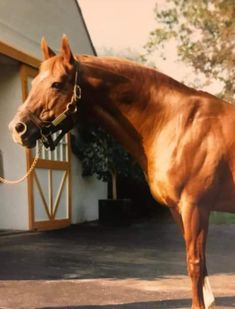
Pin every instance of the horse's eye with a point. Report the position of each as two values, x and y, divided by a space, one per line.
57 85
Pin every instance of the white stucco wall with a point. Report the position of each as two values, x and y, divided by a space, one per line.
24 22
13 199
86 191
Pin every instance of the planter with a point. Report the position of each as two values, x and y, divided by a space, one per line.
115 212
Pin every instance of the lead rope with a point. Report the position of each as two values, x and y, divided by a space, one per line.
14 182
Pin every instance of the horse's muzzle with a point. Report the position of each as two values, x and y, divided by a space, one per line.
24 132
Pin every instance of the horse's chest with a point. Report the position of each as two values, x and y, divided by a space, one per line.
163 175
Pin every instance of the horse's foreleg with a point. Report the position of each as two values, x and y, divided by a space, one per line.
178 219
195 223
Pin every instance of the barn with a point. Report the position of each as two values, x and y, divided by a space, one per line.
55 195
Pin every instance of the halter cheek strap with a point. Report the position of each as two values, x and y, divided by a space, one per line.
65 121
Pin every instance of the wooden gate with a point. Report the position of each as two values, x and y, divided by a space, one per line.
49 192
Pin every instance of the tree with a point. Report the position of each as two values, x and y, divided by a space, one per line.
204 33
101 155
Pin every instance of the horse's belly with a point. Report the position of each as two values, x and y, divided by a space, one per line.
224 196
225 206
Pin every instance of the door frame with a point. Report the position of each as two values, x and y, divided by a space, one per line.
25 72
32 65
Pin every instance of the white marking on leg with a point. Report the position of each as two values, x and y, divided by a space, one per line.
208 296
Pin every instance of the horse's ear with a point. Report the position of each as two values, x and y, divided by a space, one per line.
66 51
47 52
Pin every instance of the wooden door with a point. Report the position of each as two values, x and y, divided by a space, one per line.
49 185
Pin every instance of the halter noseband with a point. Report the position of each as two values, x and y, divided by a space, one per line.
65 121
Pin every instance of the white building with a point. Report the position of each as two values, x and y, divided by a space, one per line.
55 195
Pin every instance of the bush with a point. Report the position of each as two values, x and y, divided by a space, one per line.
101 155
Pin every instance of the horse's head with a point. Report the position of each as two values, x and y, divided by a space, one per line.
52 90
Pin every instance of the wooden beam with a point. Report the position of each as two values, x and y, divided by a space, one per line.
18 55
51 225
42 196
55 165
59 193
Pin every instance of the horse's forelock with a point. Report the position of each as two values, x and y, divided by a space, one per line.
54 65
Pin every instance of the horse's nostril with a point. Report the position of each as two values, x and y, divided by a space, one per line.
21 128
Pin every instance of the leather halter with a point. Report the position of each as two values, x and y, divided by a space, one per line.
63 122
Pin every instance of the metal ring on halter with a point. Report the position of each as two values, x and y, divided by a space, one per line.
24 128
77 92
72 108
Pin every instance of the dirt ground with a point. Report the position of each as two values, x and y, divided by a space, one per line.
88 266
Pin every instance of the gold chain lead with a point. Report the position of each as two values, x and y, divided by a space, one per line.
14 182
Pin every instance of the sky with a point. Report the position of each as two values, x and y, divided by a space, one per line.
118 24
126 24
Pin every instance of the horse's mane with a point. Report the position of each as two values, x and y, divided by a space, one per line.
134 70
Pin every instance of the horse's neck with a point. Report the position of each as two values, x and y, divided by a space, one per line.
125 105
123 131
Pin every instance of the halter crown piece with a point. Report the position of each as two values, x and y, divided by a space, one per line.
65 121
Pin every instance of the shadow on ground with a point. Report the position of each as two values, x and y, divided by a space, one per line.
91 251
146 251
140 266
227 302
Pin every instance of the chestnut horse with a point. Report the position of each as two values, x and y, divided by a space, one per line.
183 139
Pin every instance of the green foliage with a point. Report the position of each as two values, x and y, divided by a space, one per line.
101 155
204 33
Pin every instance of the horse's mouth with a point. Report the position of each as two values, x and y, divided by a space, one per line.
25 142
29 143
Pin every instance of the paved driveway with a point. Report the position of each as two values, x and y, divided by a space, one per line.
141 266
